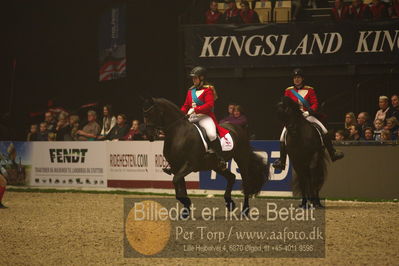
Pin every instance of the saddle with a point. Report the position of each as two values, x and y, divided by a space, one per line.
320 131
226 142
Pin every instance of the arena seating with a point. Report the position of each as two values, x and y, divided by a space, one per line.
282 11
264 10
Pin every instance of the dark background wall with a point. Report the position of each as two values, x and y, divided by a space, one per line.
55 47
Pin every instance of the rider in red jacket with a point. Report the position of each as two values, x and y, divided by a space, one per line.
199 105
309 108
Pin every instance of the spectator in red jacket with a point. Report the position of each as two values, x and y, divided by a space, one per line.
394 9
212 15
248 15
232 14
340 11
378 10
134 132
358 10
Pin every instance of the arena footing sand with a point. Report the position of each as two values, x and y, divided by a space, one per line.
87 229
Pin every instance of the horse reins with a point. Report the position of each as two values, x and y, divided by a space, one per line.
167 127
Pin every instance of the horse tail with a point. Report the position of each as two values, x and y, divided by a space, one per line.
258 172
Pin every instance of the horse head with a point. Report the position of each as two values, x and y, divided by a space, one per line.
159 114
288 109
152 117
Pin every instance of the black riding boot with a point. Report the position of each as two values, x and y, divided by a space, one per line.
217 148
280 163
334 155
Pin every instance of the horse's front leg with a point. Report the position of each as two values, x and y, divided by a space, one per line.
231 178
180 188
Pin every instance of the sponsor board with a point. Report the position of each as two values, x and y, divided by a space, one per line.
305 44
279 181
139 165
15 161
72 164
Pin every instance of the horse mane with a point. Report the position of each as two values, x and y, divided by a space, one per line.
169 104
287 101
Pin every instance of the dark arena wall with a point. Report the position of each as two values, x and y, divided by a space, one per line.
55 47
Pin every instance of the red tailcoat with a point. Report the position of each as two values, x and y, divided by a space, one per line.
339 17
307 93
364 12
379 11
208 98
212 17
249 17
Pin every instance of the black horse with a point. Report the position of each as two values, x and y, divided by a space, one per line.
306 152
185 152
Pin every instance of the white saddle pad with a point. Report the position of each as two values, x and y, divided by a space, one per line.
226 142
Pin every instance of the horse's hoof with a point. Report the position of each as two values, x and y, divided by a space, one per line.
245 211
230 206
185 213
318 205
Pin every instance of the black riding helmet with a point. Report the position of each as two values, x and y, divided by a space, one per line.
297 72
198 71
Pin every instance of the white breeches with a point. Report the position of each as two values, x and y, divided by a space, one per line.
207 123
311 119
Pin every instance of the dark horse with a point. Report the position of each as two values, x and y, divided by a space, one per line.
306 152
185 152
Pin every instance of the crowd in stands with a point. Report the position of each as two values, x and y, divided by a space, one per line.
61 126
245 12
382 127
357 10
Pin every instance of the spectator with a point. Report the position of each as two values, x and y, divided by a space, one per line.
378 125
74 126
363 121
248 16
384 111
395 106
134 132
63 129
355 133
296 9
394 11
91 130
109 120
385 135
51 136
358 10
392 125
230 110
119 130
340 11
43 132
350 120
212 15
51 122
238 117
33 134
232 14
368 134
378 10
340 135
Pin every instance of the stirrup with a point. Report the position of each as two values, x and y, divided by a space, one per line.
337 155
278 164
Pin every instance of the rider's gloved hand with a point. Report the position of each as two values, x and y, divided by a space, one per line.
305 114
191 111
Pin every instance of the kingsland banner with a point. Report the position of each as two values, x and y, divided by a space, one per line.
296 44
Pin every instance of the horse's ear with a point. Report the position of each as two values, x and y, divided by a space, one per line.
146 97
